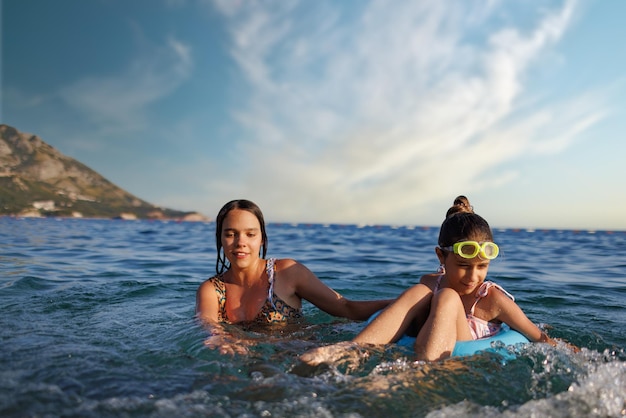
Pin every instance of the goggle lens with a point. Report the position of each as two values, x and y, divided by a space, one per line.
470 249
490 250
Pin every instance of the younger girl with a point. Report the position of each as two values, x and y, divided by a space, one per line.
454 304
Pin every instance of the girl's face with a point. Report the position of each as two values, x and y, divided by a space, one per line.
464 275
241 238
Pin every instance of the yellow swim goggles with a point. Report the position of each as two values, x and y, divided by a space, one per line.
470 249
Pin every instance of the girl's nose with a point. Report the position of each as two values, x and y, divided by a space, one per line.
475 273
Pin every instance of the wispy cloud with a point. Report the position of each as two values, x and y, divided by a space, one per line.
119 101
370 115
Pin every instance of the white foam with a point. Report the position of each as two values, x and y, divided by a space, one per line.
602 393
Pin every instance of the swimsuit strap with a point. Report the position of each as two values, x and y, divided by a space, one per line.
483 291
220 290
438 283
270 270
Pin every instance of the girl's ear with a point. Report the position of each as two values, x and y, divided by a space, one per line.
440 255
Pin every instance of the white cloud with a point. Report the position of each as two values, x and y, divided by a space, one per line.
375 115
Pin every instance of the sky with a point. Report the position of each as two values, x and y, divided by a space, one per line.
358 112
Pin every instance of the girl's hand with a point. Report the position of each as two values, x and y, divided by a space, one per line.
227 346
555 342
346 352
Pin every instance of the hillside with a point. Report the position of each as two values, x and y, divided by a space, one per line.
38 180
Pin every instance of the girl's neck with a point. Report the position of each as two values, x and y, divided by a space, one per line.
249 276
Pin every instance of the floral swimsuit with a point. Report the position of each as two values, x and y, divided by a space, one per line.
274 309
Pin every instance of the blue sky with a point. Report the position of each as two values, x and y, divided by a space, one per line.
369 112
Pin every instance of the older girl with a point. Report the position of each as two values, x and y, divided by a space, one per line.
248 287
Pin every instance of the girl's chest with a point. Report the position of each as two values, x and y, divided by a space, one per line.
244 304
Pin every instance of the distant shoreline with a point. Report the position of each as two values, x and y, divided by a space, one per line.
204 219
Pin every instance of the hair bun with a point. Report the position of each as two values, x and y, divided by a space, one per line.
461 204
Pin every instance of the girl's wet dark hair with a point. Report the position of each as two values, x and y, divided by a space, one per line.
221 265
462 224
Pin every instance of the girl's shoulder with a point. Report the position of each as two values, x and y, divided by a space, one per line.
493 290
209 284
492 297
294 272
430 280
283 263
214 281
216 278
290 267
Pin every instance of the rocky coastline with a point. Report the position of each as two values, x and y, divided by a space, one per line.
36 180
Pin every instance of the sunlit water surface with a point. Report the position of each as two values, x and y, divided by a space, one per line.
97 320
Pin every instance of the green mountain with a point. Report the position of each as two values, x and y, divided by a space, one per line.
37 180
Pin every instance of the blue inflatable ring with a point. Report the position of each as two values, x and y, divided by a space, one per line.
495 344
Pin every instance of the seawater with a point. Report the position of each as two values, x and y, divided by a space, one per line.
97 320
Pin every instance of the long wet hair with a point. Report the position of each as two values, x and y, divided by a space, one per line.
462 224
222 263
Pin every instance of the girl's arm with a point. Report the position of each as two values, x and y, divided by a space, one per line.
206 302
510 313
513 316
297 281
224 341
220 338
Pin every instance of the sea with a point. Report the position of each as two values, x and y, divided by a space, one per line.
98 321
